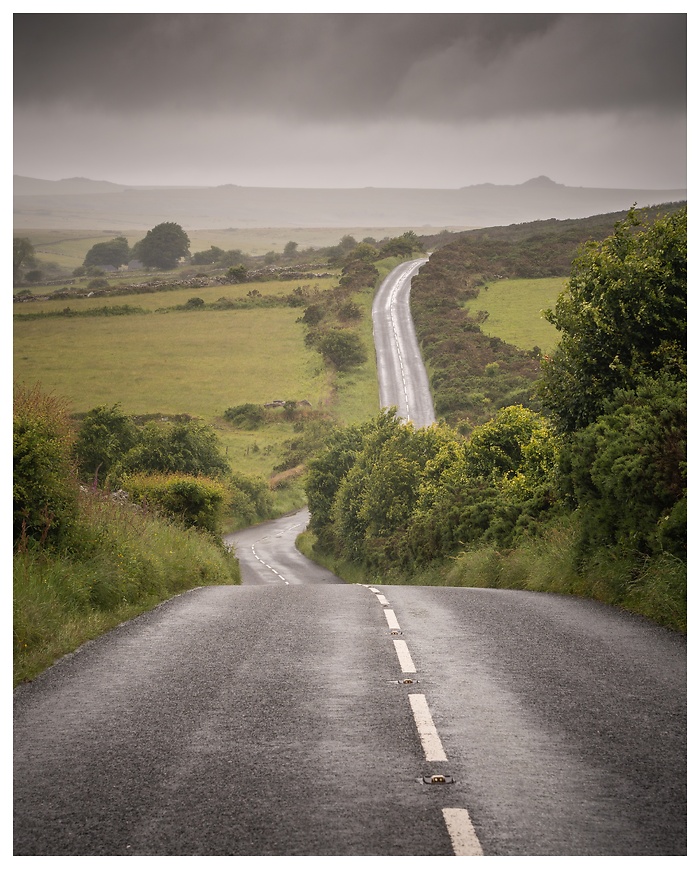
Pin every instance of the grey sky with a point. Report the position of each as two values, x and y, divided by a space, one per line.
415 100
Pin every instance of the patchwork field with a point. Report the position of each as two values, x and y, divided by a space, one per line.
515 309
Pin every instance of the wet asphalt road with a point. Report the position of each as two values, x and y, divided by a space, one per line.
298 715
403 380
277 719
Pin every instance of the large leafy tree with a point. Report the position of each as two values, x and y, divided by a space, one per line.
108 253
622 318
163 246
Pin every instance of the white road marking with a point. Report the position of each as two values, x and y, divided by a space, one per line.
382 600
432 747
391 620
465 842
404 656
373 590
268 566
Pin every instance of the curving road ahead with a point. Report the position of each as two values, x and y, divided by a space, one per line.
403 381
299 715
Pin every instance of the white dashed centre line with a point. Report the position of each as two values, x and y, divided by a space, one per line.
407 665
432 747
382 600
391 620
465 842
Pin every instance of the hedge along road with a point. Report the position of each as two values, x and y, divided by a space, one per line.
299 715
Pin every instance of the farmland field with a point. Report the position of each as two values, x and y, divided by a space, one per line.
192 362
515 309
67 248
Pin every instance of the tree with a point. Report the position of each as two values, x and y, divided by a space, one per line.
163 246
403 245
207 257
106 434
341 348
290 248
184 447
22 256
622 318
109 253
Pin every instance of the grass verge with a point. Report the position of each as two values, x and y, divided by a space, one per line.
124 561
655 589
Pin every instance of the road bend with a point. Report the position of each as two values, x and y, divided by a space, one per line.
403 380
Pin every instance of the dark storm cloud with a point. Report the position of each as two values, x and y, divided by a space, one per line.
310 66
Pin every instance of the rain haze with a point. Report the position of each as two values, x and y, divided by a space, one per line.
351 100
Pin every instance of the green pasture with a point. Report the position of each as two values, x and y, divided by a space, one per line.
199 363
515 309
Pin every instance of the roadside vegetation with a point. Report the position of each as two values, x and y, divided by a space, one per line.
86 559
581 490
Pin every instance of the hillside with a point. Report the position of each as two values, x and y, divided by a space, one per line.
78 203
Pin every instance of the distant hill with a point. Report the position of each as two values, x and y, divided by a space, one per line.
80 203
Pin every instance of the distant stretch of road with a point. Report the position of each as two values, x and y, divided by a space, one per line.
403 381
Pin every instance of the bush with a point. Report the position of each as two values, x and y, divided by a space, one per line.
248 416
341 348
44 484
106 434
197 502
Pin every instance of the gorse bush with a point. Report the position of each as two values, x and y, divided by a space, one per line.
197 502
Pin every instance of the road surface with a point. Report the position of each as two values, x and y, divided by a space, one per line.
403 381
321 719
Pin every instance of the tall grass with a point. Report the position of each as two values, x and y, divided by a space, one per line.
123 561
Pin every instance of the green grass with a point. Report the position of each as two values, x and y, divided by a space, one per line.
165 298
515 311
124 562
198 363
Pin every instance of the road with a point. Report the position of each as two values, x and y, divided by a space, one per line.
403 381
310 719
299 715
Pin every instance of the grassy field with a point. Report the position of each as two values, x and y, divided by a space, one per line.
515 311
198 362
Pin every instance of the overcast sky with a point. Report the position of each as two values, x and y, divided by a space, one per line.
344 100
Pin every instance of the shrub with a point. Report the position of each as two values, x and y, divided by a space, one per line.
44 484
197 502
341 348
105 435
248 416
